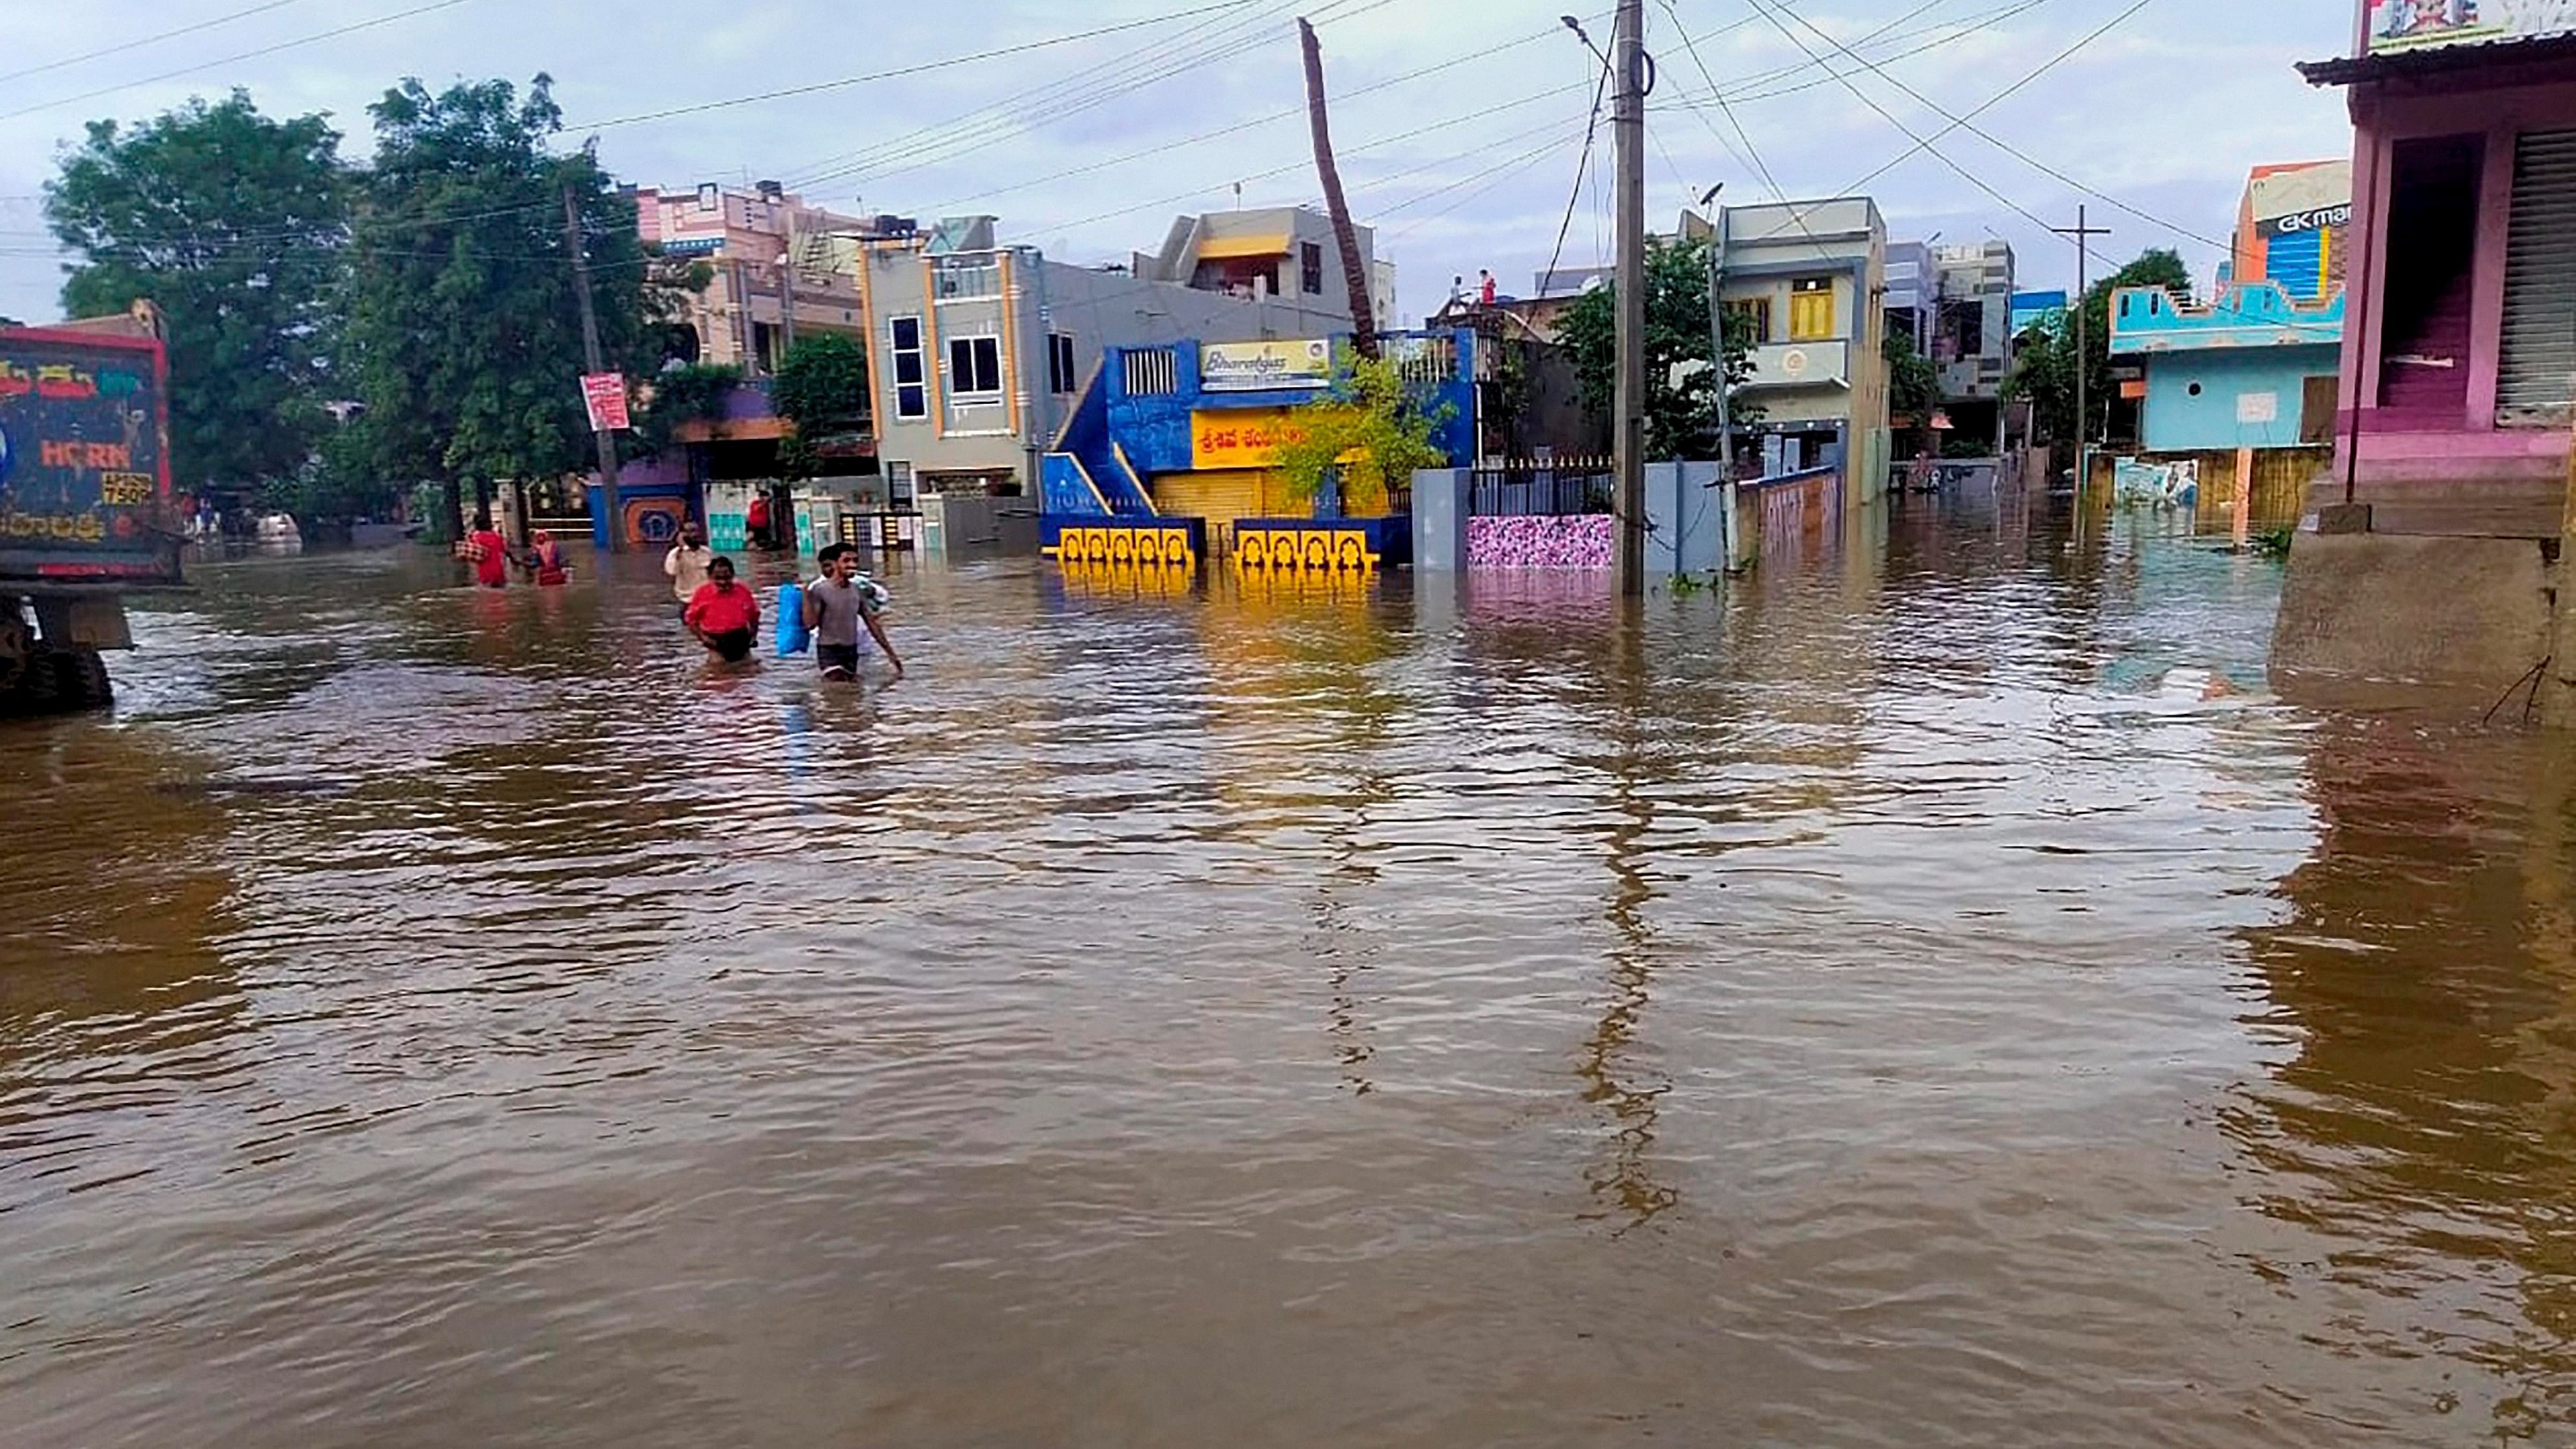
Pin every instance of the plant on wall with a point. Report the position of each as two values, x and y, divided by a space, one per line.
1368 430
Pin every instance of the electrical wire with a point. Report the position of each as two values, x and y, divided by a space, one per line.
1591 131
108 50
264 50
1204 43
920 68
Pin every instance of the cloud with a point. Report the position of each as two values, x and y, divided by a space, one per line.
2167 112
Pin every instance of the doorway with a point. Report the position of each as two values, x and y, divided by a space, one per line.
2432 233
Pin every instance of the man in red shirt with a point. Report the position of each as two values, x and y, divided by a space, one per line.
723 614
490 554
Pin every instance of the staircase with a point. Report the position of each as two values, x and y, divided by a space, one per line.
2424 375
1085 475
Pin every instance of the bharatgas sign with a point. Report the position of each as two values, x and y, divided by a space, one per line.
2393 25
1255 366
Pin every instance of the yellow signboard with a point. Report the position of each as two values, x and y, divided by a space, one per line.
1239 437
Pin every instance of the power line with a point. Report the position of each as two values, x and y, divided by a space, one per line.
108 50
1890 117
1591 130
1262 120
1205 42
314 39
921 68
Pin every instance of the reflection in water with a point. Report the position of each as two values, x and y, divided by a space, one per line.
2428 1117
462 1018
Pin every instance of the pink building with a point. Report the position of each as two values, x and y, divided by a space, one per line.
2460 356
780 267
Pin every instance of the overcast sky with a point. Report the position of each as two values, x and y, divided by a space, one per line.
1465 166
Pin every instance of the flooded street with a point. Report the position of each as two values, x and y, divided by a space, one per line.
1883 1003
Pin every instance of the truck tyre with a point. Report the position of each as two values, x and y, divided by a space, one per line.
83 679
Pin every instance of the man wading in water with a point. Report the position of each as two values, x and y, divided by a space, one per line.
687 562
723 614
836 605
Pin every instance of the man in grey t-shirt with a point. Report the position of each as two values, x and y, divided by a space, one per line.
836 605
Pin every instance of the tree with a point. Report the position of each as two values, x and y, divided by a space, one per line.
1681 412
235 225
821 383
2044 363
1913 380
461 313
1369 429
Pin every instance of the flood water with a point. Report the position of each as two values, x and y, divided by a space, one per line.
1879 1004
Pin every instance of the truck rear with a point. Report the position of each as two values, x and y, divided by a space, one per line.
86 512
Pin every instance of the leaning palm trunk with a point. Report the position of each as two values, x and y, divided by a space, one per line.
1354 272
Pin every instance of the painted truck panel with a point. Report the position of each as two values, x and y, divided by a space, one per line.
84 460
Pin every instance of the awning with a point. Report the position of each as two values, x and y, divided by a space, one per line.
1228 248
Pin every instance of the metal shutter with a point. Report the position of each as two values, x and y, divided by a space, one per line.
2536 375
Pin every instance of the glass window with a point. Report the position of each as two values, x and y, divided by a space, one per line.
1811 309
1061 376
1310 266
911 389
975 366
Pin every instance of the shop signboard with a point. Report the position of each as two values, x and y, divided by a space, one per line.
1239 437
2392 25
1258 366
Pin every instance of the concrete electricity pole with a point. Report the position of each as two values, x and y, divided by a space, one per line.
1717 334
2083 232
590 353
1628 133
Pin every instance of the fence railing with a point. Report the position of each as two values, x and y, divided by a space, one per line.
1561 489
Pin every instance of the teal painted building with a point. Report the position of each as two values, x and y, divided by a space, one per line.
2251 370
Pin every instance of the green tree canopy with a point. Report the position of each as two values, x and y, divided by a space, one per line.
1681 412
1369 428
1913 380
462 318
2044 362
235 225
821 383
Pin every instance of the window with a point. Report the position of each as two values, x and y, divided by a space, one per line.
1152 372
1061 377
975 366
1811 309
1310 267
911 388
1965 322
1757 311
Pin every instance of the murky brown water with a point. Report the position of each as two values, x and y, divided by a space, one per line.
1879 1007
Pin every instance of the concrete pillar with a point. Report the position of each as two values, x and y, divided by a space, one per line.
1440 520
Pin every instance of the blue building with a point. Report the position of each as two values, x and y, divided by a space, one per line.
1178 442
2031 307
2251 370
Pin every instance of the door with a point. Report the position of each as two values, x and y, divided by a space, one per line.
2536 366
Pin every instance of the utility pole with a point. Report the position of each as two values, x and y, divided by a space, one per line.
1628 133
2083 232
590 353
1717 335
787 292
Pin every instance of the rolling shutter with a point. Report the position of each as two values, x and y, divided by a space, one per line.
2536 374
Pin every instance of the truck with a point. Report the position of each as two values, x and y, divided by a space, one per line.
86 512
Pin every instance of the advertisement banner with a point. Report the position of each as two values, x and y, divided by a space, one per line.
1253 366
1239 437
2298 199
2421 24
604 394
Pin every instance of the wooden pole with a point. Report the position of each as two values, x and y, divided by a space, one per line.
1354 271
590 352
2243 526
